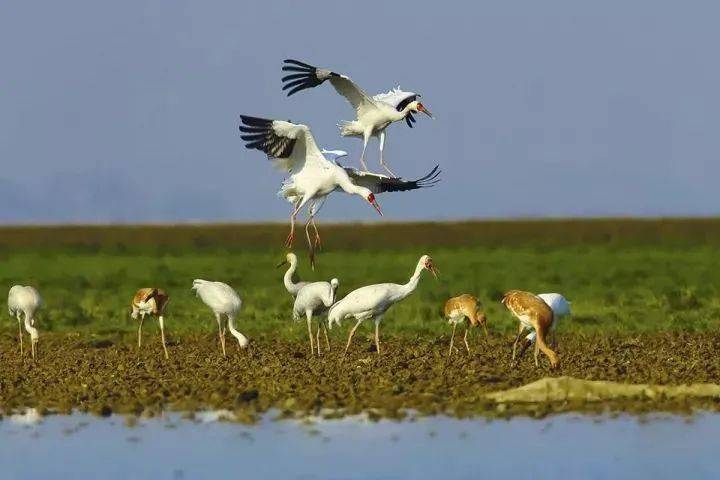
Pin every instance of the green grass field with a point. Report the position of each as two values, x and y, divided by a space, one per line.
620 275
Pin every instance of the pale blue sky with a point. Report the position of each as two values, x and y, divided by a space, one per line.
127 111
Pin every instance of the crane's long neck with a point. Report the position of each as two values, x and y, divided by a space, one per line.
288 278
399 115
34 335
242 339
344 182
412 284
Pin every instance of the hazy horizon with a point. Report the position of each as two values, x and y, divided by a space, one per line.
128 112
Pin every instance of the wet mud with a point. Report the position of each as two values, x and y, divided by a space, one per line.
105 376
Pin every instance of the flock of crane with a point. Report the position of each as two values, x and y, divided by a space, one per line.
314 174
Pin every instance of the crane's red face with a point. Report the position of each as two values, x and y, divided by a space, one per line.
430 267
371 200
421 108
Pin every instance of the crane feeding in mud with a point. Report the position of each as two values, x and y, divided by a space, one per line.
534 313
372 301
150 301
25 301
223 301
461 308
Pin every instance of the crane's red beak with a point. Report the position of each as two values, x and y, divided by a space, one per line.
431 268
423 109
371 200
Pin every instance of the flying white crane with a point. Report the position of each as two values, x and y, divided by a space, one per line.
292 287
292 148
373 301
374 114
560 307
222 300
314 299
25 300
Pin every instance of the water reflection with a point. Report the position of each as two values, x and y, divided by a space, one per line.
569 446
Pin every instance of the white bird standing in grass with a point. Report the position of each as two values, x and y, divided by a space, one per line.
374 114
314 299
313 177
223 301
25 300
290 285
150 301
561 309
373 301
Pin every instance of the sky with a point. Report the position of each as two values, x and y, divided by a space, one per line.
128 111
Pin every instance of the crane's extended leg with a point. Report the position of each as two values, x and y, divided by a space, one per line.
327 340
308 314
293 216
377 334
142 319
20 334
382 155
221 332
537 348
317 339
467 329
161 321
318 242
33 349
452 339
517 339
366 138
352 332
311 246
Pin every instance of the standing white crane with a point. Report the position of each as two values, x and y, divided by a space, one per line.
374 114
313 177
222 300
25 300
561 309
291 286
373 301
314 299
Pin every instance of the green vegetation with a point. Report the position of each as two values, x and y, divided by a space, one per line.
621 275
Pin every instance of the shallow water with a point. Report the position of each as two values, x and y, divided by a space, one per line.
570 446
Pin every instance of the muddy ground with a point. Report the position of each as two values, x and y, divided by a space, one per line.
109 376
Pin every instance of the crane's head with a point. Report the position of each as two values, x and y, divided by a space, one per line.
289 258
419 107
370 198
427 262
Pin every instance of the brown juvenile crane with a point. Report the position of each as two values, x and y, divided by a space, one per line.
150 301
534 313
457 309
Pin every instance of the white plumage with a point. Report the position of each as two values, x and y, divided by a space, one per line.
374 114
25 301
313 177
223 301
314 299
291 286
560 307
373 301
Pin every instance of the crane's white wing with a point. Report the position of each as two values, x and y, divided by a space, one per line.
307 76
378 183
220 297
399 99
291 146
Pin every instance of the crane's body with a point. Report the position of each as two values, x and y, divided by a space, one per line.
223 301
292 148
314 299
25 301
533 313
373 114
373 301
561 309
150 301
464 308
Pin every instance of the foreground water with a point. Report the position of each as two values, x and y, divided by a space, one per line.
566 446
